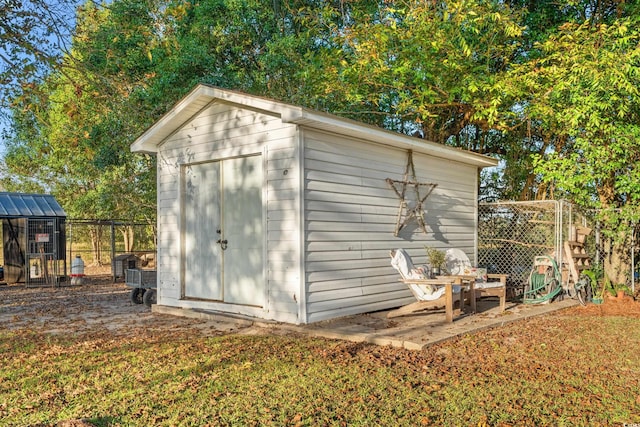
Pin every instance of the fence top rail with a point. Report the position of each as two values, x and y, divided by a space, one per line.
529 202
106 222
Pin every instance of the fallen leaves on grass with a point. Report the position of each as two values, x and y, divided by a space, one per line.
578 366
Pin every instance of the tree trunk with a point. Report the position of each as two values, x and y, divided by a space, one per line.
616 243
617 259
95 232
128 235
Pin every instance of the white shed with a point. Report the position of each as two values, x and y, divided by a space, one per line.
279 212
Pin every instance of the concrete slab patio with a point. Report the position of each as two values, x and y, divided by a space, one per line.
419 331
413 332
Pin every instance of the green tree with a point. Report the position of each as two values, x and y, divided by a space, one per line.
128 63
548 87
584 93
427 67
34 36
71 134
433 69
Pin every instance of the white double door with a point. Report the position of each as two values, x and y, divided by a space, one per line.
222 256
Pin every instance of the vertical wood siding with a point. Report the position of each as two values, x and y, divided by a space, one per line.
350 218
222 131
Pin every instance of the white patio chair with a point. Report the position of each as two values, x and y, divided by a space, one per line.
486 285
429 293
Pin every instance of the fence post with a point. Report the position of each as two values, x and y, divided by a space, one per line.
113 252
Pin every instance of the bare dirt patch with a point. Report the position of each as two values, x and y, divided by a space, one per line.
98 307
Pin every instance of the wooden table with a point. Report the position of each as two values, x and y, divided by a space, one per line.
447 282
469 282
466 281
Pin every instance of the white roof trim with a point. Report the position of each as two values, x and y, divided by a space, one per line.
202 95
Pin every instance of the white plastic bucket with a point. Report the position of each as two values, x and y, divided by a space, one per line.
77 267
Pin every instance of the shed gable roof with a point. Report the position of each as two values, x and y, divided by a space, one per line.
19 205
203 95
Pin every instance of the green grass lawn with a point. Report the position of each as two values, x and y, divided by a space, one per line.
560 370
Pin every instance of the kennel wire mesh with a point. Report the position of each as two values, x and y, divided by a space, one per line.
45 263
512 234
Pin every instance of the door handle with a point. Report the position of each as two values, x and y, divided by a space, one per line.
222 243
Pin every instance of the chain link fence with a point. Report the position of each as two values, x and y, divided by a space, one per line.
512 234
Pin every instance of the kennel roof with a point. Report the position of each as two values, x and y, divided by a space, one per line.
20 205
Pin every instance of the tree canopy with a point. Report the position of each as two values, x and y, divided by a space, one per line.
585 92
548 87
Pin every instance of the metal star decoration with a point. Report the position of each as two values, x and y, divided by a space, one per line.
406 212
